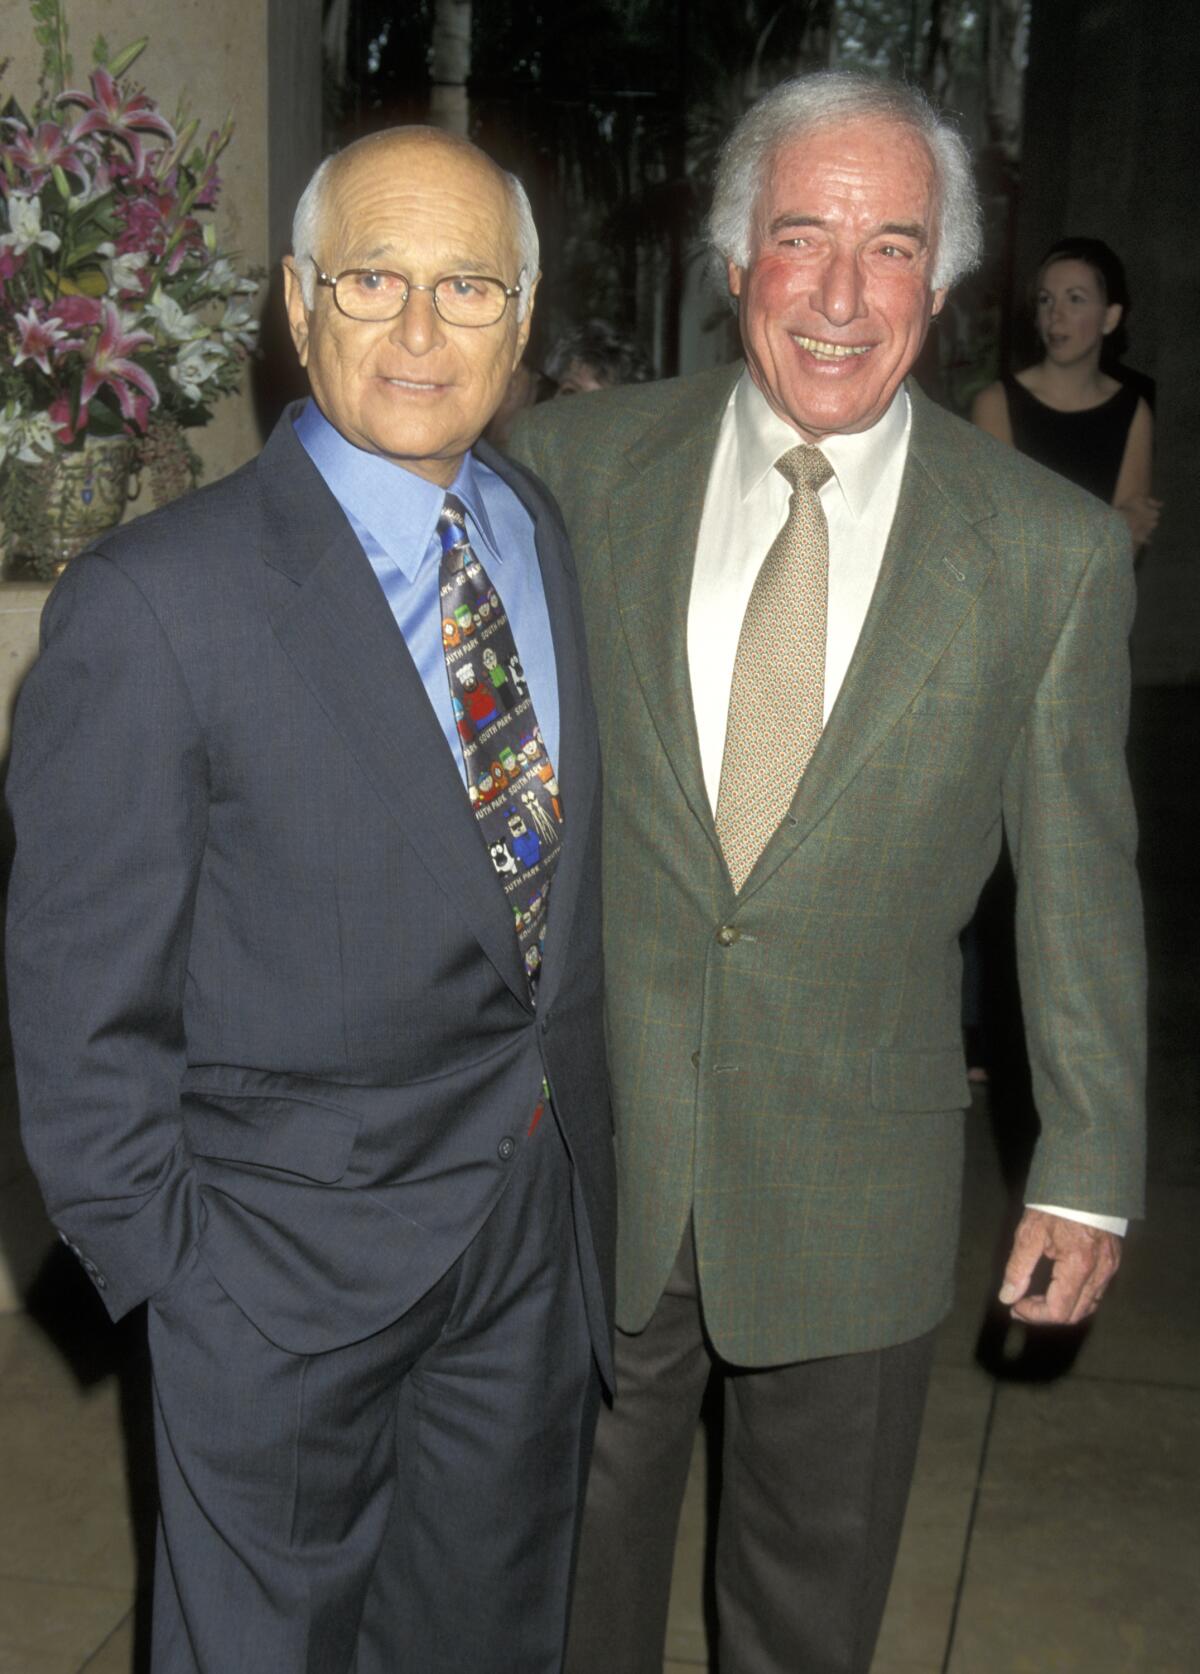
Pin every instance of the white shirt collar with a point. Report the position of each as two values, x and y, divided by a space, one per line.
858 460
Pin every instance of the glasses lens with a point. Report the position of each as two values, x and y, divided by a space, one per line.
465 299
366 294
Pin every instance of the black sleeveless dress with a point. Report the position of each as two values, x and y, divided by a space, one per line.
1085 447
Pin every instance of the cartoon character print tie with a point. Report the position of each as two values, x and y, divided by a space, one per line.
510 779
777 696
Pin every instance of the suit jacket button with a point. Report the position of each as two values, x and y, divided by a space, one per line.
728 934
506 1148
695 1060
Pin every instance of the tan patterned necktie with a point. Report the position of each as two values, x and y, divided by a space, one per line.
777 696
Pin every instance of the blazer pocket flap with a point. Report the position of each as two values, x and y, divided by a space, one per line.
312 1140
919 1080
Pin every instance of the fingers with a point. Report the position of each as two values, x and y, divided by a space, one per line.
1029 1245
1085 1259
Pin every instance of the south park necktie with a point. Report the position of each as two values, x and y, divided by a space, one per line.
777 695
510 779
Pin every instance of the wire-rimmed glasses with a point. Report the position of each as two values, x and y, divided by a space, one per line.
461 299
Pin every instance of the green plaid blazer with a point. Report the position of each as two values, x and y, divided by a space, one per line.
787 1064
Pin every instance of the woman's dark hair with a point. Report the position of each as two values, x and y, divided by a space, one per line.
1100 257
1109 270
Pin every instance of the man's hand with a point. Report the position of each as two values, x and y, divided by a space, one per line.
1084 1257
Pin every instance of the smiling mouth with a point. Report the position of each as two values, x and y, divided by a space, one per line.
410 383
830 351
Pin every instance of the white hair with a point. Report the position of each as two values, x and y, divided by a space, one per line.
310 212
831 98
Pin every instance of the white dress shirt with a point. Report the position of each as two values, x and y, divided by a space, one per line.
745 506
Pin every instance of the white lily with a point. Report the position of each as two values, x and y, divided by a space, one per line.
25 226
173 321
194 366
238 325
124 273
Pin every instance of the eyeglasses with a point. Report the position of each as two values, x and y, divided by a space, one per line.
461 299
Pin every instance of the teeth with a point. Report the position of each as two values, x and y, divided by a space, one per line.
830 351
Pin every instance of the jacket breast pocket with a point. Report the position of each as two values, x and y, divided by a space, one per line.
294 1136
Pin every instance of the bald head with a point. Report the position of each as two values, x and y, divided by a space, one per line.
422 222
408 148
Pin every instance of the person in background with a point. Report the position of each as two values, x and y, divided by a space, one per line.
595 356
1068 411
526 388
304 944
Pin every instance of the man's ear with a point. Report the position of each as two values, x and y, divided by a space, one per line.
297 313
523 328
735 278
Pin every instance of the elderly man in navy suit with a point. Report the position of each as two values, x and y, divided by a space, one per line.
309 1048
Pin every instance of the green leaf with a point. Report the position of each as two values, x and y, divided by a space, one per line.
124 60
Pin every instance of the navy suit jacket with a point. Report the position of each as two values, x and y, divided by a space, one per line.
266 992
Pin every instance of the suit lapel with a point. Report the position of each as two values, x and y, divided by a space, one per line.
338 630
934 566
654 525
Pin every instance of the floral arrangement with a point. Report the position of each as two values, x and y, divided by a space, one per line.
116 306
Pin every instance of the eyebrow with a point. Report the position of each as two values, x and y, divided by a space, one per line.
896 229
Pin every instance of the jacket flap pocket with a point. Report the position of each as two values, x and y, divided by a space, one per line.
309 1139
919 1080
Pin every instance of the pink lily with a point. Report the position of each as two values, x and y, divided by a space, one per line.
63 419
109 364
111 108
47 147
76 313
41 338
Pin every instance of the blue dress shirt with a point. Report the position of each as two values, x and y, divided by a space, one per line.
394 514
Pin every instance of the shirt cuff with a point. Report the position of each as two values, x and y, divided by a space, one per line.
1106 1223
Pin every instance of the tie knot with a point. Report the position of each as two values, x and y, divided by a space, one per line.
804 467
452 524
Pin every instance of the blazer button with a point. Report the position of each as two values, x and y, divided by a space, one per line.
695 1060
728 934
506 1148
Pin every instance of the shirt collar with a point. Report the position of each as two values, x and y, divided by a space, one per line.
396 507
858 460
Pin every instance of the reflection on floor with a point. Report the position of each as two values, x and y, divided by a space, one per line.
1055 1521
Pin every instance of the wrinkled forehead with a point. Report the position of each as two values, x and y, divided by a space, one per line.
881 163
422 201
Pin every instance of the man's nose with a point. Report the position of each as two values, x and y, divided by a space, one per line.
418 326
838 295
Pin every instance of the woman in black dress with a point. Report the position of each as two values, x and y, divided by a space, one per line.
1066 411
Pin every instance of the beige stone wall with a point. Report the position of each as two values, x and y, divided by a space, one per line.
215 53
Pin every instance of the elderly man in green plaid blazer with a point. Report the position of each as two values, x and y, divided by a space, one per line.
785 1045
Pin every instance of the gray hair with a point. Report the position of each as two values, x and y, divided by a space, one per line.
306 231
828 99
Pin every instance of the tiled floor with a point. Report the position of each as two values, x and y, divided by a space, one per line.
1054 1524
